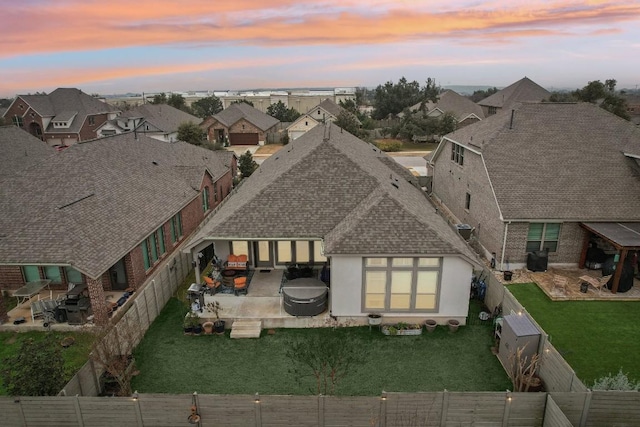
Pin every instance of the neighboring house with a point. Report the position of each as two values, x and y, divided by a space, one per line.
159 121
633 107
533 177
106 212
326 111
65 116
524 90
240 124
331 197
462 108
19 150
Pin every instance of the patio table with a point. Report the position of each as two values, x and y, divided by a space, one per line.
26 292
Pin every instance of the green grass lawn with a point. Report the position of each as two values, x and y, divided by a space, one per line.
412 146
595 337
74 356
171 362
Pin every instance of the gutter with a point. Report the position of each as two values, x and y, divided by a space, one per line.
504 244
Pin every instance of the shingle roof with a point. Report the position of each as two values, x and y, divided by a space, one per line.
92 203
162 116
65 100
559 161
19 150
329 184
523 90
330 107
452 102
240 110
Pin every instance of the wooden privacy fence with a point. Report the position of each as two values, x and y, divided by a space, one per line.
142 311
555 372
437 409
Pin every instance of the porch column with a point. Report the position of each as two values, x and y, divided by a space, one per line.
98 301
618 272
585 248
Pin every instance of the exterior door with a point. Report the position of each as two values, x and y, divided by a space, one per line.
263 251
118 276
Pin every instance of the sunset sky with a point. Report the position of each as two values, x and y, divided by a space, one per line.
165 45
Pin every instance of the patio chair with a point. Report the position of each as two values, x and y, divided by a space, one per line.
212 285
240 285
560 283
602 283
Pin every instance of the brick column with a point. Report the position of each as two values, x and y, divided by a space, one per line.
98 301
3 310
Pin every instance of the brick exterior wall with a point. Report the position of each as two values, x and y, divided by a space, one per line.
248 128
88 131
11 278
451 182
98 301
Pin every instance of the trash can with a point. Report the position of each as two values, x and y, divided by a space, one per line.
464 230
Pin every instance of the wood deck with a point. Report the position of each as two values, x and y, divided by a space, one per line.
570 292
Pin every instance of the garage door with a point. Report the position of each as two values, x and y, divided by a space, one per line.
243 138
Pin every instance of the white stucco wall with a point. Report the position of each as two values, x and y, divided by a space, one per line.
346 290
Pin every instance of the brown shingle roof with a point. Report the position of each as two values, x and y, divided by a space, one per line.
329 184
95 201
523 90
162 116
559 162
20 150
240 110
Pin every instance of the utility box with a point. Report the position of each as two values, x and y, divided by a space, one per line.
464 230
518 332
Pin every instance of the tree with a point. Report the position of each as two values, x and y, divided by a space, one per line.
159 98
282 113
243 100
206 107
246 164
603 94
348 122
113 350
328 359
479 95
177 101
394 98
191 133
349 105
36 370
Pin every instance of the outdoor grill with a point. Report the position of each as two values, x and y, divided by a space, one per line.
304 297
77 309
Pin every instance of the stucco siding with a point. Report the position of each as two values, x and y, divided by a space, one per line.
346 286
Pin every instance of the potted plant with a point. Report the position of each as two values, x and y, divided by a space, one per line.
402 328
218 324
208 327
192 323
374 319
453 325
430 325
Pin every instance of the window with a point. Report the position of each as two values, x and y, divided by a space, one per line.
457 153
467 201
31 273
152 248
543 236
302 252
240 248
215 192
318 255
73 275
205 199
493 110
176 227
283 251
306 123
92 120
53 273
401 284
17 120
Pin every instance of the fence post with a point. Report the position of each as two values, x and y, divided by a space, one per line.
383 409
507 409
96 381
585 409
445 408
76 403
146 303
258 410
136 407
19 402
320 410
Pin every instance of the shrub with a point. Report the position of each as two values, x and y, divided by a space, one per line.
389 146
619 381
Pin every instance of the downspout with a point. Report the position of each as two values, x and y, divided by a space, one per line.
504 244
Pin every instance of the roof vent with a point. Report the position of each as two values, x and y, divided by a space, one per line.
395 185
155 163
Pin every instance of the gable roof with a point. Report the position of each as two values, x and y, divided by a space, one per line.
162 117
330 185
19 149
241 110
523 90
556 161
451 102
65 102
330 107
91 204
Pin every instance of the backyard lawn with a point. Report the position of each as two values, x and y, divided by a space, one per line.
75 356
171 362
595 337
411 146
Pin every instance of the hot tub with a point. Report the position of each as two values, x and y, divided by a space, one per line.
304 297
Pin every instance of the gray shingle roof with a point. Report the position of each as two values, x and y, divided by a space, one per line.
329 184
330 107
452 102
559 161
162 116
92 203
240 110
523 90
64 100
20 150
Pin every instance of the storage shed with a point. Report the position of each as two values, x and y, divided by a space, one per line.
517 332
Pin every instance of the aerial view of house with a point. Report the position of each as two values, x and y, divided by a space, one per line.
239 124
329 197
543 176
63 117
104 213
523 90
326 111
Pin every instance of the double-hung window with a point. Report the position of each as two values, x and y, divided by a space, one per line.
153 248
401 284
176 227
543 236
457 153
205 199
